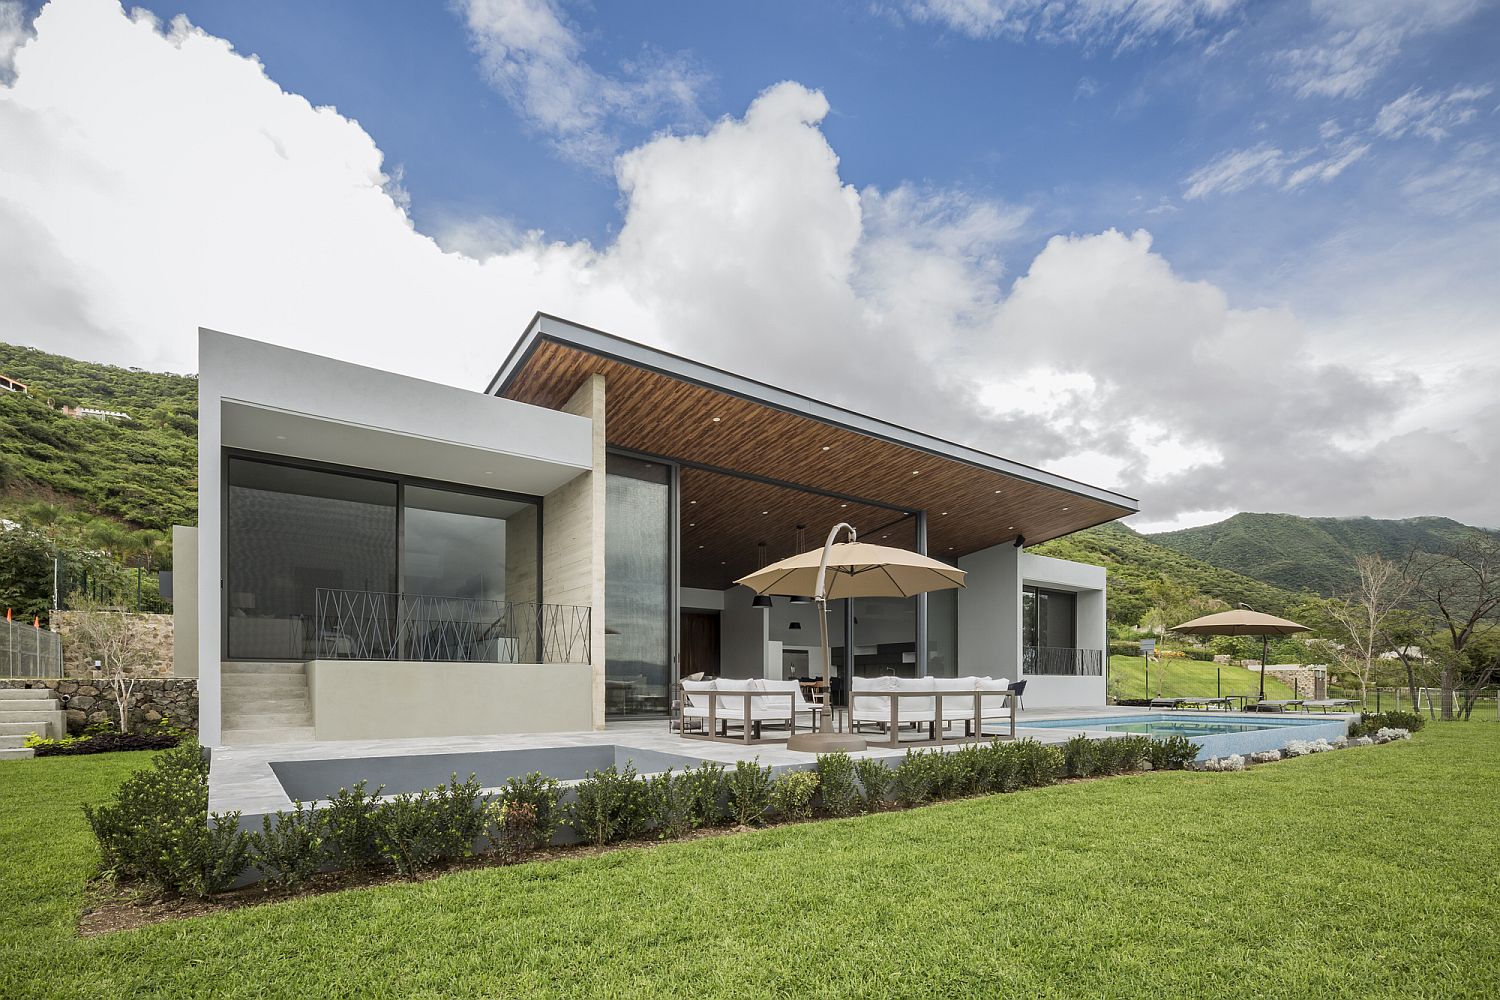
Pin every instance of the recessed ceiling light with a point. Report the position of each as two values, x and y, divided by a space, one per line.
1065 508
1011 528
826 447
950 548
692 501
716 419
842 506
692 524
945 513
767 512
700 546
916 472
885 536
997 493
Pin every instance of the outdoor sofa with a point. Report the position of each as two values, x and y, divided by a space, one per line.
713 707
891 703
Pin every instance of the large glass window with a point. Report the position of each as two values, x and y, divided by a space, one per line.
942 633
1048 618
292 531
885 636
380 550
638 575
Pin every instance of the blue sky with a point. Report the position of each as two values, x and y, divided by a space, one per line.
1219 254
1098 133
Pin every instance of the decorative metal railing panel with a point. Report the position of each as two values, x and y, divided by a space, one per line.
1060 661
370 625
27 651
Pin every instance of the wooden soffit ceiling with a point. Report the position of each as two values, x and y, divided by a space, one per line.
670 416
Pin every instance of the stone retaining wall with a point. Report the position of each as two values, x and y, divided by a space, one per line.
155 636
90 700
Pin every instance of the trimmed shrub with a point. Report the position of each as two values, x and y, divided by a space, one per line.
916 777
1128 753
458 812
1036 764
289 848
1201 655
792 795
542 794
407 832
611 805
158 829
73 746
1173 753
1080 757
352 827
706 789
512 828
670 801
1124 647
749 791
874 780
967 772
836 784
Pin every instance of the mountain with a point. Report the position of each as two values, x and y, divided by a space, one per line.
1308 553
141 471
1134 561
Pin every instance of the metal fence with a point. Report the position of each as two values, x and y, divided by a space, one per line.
1060 661
26 651
370 625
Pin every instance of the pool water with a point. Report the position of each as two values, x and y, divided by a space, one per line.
1181 727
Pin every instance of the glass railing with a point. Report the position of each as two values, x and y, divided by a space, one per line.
370 625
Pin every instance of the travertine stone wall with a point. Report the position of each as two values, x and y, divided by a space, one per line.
155 633
573 537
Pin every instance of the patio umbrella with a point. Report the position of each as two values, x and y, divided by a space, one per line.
848 569
1243 621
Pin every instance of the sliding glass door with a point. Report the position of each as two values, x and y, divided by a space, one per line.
638 582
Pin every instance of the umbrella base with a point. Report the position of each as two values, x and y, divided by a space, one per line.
826 743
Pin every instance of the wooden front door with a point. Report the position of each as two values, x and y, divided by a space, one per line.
700 643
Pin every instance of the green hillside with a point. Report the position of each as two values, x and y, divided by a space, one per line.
142 472
1307 553
1135 561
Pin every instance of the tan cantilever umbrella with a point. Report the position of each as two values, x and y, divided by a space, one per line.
1243 621
848 569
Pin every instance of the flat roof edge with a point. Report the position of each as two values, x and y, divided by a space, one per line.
569 334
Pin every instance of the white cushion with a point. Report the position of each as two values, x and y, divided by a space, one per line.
695 698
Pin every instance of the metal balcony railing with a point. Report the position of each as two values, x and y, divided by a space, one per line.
1061 661
369 625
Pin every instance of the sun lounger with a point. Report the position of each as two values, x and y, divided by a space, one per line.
1167 702
1277 705
1329 703
1209 702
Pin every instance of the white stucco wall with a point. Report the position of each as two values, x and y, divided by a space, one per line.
184 601
270 399
989 613
1088 583
387 699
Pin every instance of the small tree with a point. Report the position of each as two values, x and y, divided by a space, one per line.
1460 590
107 635
1361 616
1173 603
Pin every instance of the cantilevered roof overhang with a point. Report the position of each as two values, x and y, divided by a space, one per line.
663 405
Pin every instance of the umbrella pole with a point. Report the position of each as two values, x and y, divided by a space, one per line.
825 740
1263 641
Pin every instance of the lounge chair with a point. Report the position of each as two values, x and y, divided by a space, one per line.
1327 703
1167 702
1209 702
1275 705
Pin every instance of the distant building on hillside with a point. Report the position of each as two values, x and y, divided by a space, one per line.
12 385
1412 653
91 413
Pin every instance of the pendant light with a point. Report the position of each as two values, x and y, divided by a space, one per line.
761 600
800 546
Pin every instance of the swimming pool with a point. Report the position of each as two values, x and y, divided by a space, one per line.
1218 734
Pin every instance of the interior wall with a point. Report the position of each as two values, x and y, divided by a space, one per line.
743 634
690 598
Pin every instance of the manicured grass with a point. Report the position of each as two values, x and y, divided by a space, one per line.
1369 872
1187 679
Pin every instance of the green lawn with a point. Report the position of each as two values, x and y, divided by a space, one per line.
1187 679
1371 872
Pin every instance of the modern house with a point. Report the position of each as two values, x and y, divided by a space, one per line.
379 556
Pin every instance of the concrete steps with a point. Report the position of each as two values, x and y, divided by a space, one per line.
265 703
28 711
